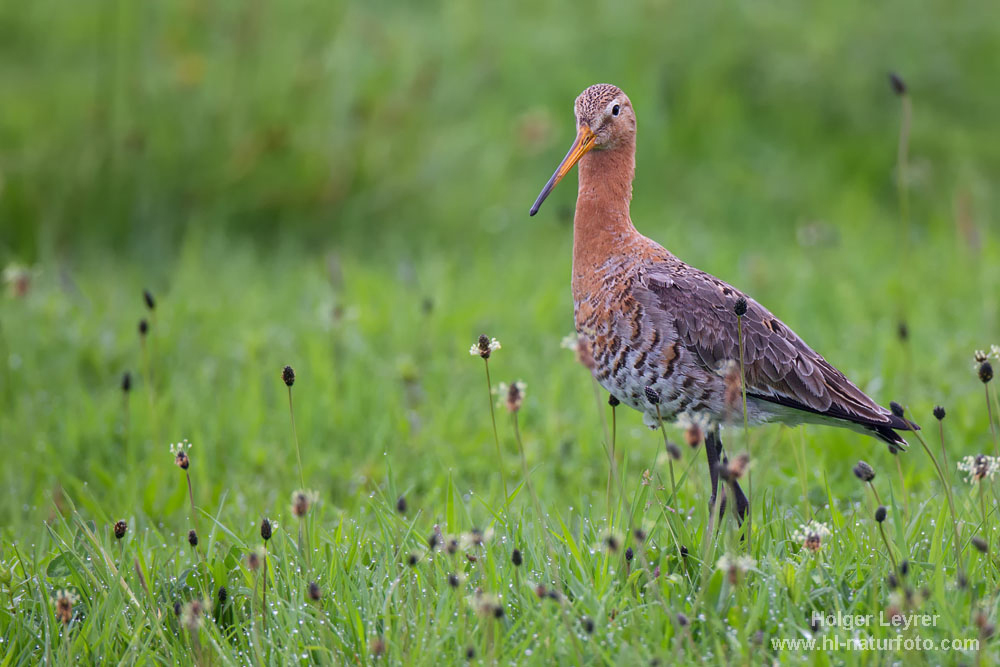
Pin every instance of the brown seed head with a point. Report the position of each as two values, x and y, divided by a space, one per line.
515 557
147 296
126 382
674 451
193 614
515 396
864 472
985 372
143 327
652 395
939 413
980 544
314 591
288 376
64 606
741 306
613 402
181 460
737 467
253 561
880 513
120 528
897 84
265 529
193 538
300 504
485 346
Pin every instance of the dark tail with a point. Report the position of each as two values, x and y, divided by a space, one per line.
888 433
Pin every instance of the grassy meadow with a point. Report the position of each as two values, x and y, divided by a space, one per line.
343 188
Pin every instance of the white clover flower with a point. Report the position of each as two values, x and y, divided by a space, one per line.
484 347
570 342
810 535
979 467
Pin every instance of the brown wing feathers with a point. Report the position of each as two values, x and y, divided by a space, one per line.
779 366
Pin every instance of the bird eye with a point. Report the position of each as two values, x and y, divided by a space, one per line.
615 110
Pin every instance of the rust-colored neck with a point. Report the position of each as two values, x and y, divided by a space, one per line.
602 227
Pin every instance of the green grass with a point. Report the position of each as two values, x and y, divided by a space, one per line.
344 188
388 402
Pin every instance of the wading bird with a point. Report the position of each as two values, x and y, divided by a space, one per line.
662 336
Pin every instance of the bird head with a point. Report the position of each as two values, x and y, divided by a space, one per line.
604 119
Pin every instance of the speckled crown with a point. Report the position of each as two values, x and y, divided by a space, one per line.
592 101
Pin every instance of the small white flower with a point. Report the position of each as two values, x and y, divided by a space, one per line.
727 366
980 356
570 342
475 538
484 347
735 566
742 562
700 420
979 467
995 351
810 535
182 446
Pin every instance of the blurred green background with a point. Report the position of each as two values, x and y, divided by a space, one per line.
344 186
126 124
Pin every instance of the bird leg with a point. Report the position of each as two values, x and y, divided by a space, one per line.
713 446
713 449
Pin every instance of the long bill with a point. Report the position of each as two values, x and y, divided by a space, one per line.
584 142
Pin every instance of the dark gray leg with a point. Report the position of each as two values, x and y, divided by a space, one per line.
714 442
713 447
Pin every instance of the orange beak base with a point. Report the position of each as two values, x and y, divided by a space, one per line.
584 142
